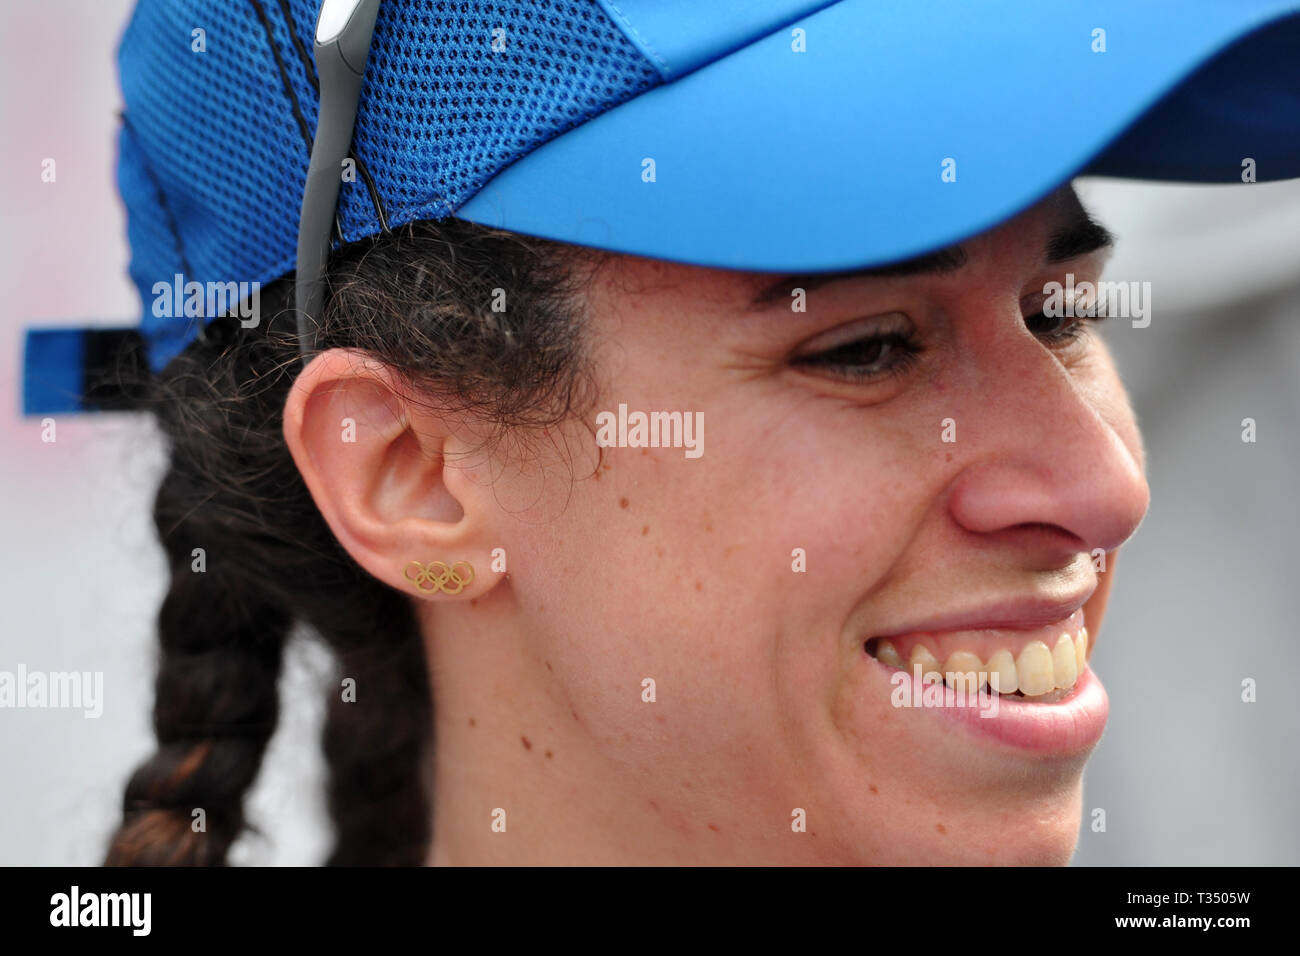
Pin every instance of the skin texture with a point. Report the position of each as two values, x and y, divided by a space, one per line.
649 564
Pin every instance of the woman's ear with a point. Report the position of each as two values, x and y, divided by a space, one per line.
373 459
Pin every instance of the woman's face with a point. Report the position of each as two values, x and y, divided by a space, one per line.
947 485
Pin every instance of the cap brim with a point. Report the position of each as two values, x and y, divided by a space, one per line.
774 160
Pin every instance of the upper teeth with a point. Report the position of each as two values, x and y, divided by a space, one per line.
1037 670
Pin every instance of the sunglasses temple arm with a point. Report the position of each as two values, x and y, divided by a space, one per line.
340 64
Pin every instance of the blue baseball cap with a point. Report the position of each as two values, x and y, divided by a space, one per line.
770 135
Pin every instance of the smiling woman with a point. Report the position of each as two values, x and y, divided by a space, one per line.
977 546
921 459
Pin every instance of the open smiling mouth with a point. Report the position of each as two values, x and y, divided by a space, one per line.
1034 666
1052 704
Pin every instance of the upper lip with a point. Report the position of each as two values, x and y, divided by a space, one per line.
1012 613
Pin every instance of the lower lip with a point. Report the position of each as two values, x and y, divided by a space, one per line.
1069 725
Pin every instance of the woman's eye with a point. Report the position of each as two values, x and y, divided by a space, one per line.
867 358
1052 326
1065 328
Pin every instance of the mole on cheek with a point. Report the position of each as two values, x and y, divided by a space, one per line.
623 502
528 744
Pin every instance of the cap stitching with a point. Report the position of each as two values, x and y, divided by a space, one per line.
163 204
641 41
284 74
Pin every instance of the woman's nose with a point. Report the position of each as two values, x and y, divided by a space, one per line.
1049 445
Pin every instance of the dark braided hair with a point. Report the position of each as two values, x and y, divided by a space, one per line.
419 300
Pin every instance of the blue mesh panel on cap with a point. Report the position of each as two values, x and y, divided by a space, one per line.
212 160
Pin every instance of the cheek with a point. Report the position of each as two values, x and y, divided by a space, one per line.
853 497
653 572
783 531
722 579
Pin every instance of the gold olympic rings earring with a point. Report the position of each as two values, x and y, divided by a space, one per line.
438 576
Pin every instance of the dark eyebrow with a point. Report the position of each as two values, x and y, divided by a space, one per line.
946 260
1080 235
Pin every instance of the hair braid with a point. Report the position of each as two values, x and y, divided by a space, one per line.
215 696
